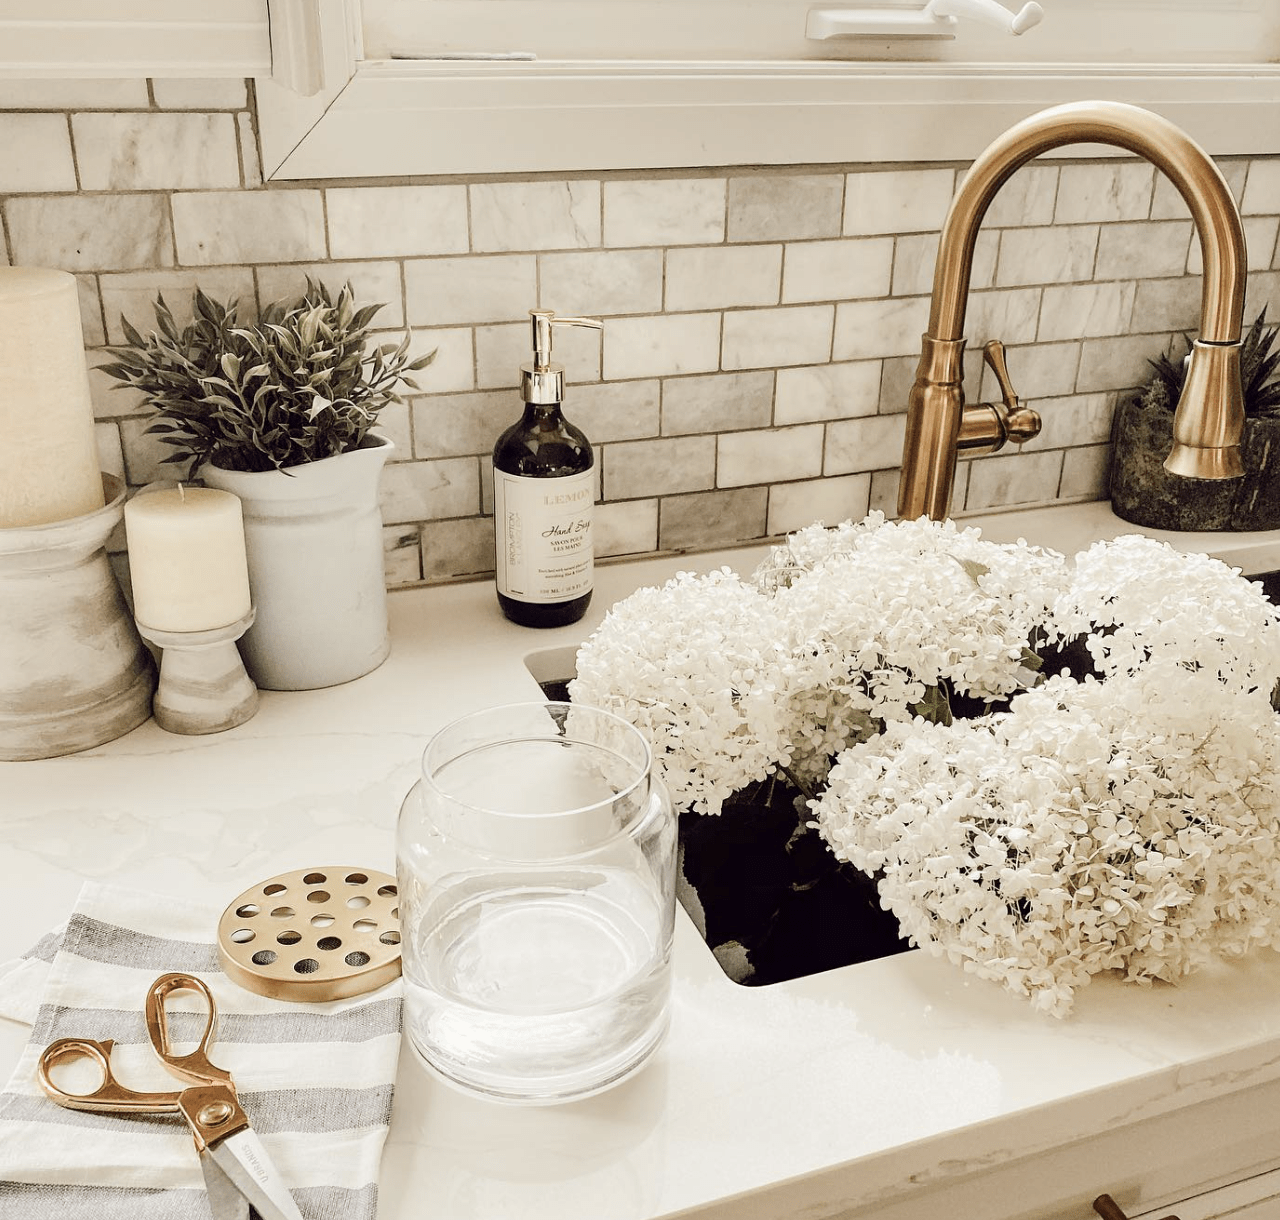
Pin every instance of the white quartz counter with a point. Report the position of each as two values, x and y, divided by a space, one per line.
819 1097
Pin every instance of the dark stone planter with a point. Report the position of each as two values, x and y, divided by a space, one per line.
1143 492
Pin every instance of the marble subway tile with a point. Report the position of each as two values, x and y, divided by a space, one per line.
884 490
111 399
1262 288
1053 255
625 527
1007 314
838 270
723 277
897 201
869 329
896 379
393 423
460 425
1118 363
453 367
1262 188
372 283
502 349
1020 478
792 506
1078 419
1259 242
402 554
1026 200
1081 311
131 295
453 550
145 454
776 454
250 162
662 345
857 445
92 327
1038 370
767 338
90 232
615 410
534 215
718 402
396 221
421 491
110 451
659 467
1168 204
595 283
72 94
1146 250
470 288
35 154
1116 190
248 226
784 207
827 391
1162 305
198 94
983 274
713 518
665 212
1085 473
144 152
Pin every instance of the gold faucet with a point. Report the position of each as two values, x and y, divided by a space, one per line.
1210 414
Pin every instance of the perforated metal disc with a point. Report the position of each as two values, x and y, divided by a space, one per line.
313 934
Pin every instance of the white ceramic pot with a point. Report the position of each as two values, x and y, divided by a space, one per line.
313 538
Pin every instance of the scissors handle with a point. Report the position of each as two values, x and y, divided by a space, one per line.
195 1066
110 1096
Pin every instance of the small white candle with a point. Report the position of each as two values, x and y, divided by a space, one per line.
49 467
186 558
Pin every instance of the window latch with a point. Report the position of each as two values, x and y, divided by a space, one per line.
937 19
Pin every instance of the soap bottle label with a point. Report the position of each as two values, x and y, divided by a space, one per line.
544 551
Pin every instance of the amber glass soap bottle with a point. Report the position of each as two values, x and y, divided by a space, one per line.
543 496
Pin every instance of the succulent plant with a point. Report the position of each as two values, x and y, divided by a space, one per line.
301 384
1258 364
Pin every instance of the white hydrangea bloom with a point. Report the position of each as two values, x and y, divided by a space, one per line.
699 667
1150 606
1087 829
879 613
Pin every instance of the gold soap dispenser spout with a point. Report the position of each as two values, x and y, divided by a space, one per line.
543 381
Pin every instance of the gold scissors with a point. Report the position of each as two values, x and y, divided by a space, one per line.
237 1171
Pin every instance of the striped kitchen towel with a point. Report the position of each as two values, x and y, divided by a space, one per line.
316 1080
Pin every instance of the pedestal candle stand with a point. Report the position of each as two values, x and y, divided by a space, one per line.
73 671
203 684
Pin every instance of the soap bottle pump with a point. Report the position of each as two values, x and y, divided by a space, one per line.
543 496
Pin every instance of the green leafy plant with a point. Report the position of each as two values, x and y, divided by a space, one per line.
1258 363
301 384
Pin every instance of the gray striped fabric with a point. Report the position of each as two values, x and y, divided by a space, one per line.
316 1080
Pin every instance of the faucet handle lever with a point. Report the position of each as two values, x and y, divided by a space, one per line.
1018 423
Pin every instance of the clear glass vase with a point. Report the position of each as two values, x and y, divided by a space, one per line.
536 864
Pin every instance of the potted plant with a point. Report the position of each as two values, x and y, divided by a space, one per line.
281 412
900 733
1143 492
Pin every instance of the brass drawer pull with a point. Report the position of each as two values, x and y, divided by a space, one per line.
1109 1209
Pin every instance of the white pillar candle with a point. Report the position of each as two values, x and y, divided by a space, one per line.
186 558
49 468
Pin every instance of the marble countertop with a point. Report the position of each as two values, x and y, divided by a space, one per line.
810 1097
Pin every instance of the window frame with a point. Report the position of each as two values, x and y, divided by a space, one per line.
380 118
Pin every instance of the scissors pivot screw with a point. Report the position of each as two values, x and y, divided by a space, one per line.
216 1113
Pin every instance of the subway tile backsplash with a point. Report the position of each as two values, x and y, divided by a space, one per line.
761 325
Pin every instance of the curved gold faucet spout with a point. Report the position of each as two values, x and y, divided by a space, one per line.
1210 414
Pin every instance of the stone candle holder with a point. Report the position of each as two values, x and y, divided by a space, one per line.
73 671
203 684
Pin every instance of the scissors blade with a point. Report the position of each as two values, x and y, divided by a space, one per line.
225 1200
243 1159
